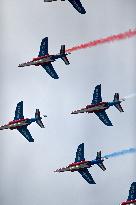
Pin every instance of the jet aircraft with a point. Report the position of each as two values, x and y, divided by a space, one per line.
20 123
76 4
132 195
99 107
45 60
81 164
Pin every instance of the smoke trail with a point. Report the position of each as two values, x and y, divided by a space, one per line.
122 152
130 96
117 37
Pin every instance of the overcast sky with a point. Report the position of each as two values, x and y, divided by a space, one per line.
26 169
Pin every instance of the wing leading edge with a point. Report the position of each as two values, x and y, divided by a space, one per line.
87 176
78 6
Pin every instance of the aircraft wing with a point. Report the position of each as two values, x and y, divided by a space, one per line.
43 47
78 6
87 176
80 153
97 95
104 118
19 111
25 132
50 70
132 192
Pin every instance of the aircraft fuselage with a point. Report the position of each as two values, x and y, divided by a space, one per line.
79 165
42 60
18 123
96 107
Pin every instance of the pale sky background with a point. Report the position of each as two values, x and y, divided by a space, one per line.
26 169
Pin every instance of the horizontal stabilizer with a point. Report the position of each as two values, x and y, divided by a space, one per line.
101 165
38 118
119 107
63 57
99 158
116 99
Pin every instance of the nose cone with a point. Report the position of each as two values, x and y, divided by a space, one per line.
74 112
22 65
60 170
19 65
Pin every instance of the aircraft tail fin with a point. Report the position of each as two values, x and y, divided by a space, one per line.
38 118
118 106
100 164
64 55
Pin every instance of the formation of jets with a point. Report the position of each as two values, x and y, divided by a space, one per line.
44 59
81 165
98 107
76 4
20 123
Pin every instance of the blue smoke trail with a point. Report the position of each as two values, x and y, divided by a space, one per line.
122 152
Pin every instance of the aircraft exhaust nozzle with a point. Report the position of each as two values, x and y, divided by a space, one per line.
38 118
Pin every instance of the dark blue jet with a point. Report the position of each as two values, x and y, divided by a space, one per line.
44 59
20 123
98 106
75 3
81 165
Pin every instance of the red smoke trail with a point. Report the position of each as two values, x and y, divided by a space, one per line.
108 39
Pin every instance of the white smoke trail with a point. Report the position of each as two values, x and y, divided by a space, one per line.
130 96
119 153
